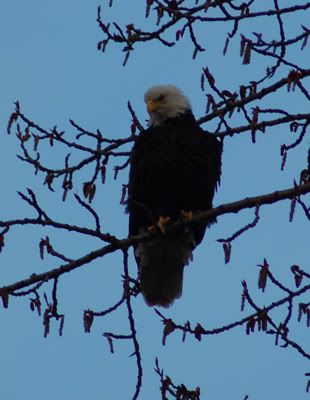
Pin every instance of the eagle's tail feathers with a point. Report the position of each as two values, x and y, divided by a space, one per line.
162 262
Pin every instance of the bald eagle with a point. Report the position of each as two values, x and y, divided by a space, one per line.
175 168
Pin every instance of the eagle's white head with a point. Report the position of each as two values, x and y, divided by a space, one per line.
165 101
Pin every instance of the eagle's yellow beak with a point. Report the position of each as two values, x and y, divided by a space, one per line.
152 105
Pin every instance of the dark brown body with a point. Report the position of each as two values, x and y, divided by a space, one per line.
174 167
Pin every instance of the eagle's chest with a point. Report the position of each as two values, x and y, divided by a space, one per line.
170 156
170 172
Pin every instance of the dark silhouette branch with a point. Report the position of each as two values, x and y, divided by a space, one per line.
199 331
123 244
255 96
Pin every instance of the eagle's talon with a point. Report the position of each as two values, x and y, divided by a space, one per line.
162 222
151 228
187 215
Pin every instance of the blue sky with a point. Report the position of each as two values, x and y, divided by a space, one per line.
49 62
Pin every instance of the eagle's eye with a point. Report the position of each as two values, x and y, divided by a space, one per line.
160 98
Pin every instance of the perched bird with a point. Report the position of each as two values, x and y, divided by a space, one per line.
175 168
